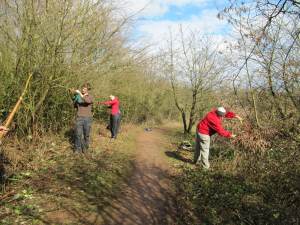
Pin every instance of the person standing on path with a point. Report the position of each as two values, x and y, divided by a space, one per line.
208 126
83 102
115 115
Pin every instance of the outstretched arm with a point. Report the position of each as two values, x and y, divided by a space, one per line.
111 102
232 115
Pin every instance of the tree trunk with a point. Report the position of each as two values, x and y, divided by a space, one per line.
191 123
183 116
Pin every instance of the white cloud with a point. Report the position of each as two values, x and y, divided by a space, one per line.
152 8
152 30
155 31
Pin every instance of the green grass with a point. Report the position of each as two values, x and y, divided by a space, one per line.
75 186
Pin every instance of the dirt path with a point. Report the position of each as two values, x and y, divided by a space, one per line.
78 189
147 198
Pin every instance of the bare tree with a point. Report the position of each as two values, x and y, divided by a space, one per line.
193 69
269 39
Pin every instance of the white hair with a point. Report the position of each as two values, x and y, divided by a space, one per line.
221 111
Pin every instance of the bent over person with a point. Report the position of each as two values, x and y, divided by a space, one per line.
115 115
83 101
208 126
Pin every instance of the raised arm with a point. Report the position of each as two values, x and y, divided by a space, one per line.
232 115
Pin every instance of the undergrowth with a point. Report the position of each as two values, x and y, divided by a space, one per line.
59 184
244 185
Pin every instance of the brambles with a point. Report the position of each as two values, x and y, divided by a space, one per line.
253 139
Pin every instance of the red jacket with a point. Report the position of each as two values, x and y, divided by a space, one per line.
114 105
212 123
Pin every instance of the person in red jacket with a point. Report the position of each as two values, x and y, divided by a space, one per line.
208 126
115 115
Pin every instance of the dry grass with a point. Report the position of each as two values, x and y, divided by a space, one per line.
47 175
250 138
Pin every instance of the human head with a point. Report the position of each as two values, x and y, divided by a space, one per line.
112 97
86 87
221 111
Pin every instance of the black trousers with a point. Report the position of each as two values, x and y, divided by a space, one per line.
114 125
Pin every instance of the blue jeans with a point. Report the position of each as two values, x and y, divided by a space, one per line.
83 128
115 124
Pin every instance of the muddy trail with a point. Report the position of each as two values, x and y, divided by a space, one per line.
147 198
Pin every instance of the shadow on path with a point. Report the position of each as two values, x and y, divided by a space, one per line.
82 191
176 155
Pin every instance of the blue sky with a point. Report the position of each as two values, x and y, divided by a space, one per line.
158 17
186 11
176 13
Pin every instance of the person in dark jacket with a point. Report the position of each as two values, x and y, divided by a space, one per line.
115 115
208 126
83 102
